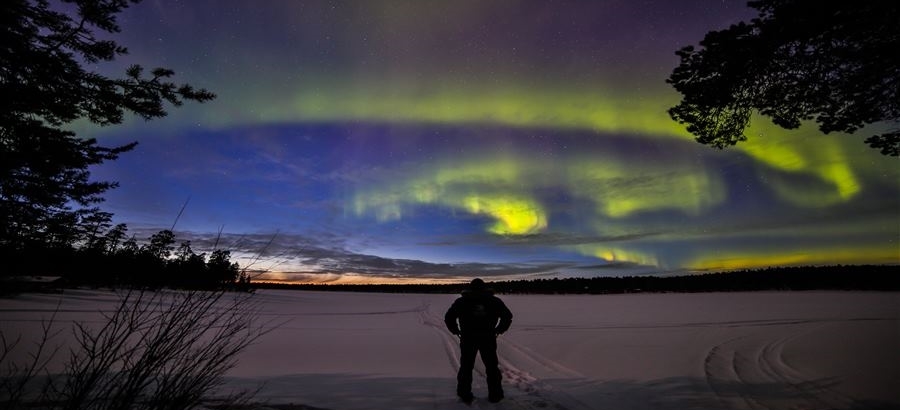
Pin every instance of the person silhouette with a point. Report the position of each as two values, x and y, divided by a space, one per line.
478 317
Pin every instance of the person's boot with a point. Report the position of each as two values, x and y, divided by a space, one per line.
466 397
495 397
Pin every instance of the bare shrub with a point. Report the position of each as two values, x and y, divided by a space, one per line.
155 351
21 376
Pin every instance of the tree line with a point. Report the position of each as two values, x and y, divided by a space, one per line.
110 258
837 277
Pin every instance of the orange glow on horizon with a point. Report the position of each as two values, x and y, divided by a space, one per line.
355 279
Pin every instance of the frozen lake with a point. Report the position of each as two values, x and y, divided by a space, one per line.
745 350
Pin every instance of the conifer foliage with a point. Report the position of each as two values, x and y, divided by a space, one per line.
47 198
834 63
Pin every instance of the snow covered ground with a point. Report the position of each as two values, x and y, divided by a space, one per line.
749 350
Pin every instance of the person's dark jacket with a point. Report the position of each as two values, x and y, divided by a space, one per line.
478 312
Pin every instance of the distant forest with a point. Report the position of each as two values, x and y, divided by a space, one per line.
108 259
840 277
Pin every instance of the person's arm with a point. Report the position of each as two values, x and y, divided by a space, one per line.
505 318
450 318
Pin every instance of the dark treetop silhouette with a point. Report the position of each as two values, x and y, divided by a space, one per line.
47 200
833 62
44 167
477 317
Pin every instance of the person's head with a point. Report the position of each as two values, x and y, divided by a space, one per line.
476 283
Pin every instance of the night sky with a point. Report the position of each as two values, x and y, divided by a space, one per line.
395 140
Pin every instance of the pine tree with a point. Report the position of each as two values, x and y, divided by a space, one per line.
46 194
835 63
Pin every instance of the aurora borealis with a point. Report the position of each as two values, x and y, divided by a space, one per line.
403 140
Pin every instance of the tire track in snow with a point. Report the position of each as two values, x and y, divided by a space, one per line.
721 376
448 340
542 361
771 361
750 372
